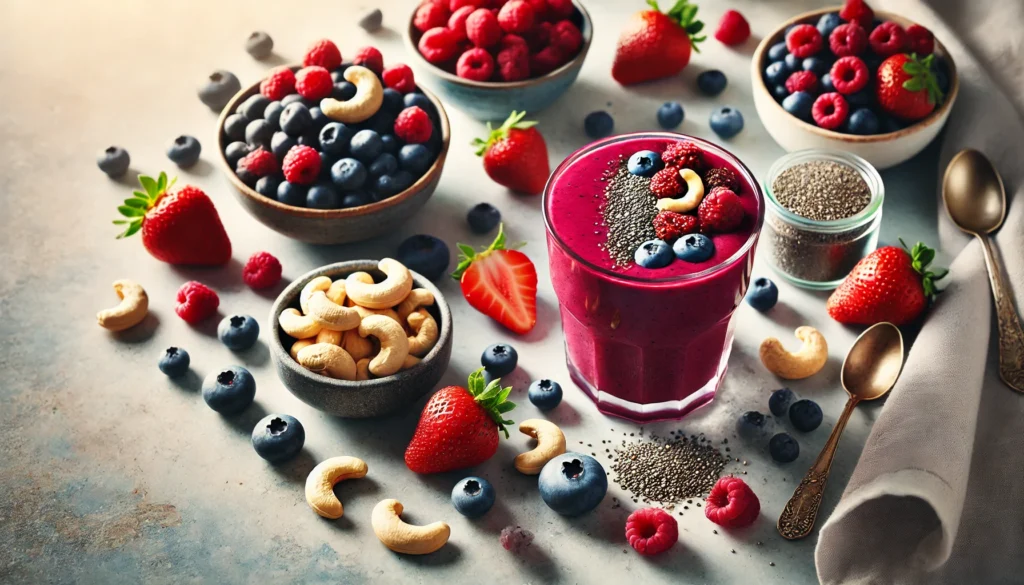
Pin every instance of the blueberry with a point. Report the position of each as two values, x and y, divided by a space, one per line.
424 254
254 106
246 176
780 401
238 332
184 151
500 359
784 448
348 174
828 23
291 194
805 415
799 104
381 123
229 391
826 83
572 484
386 186
355 199
421 101
776 73
598 124
259 45
863 121
338 75
296 119
861 99
644 163
694 248
278 437
941 74
390 143
670 115
235 151
385 164
792 62
323 196
281 143
218 90
318 117
890 124
712 82
334 138
267 186
816 65
545 394
174 363
763 294
415 158
653 254
393 102
753 426
293 98
234 126
113 161
473 497
483 217
343 91
326 162
366 145
779 92
273 114
311 137
726 122
778 52
259 133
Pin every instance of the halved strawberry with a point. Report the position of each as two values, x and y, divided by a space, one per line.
499 283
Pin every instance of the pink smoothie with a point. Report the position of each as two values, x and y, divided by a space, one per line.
644 344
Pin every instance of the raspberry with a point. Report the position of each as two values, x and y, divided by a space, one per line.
667 183
370 58
848 39
920 40
830 110
261 271
457 22
514 62
438 45
721 177
849 75
720 211
560 9
510 40
430 15
475 64
732 503
413 125
399 77
566 37
888 39
546 60
803 41
454 5
733 29
259 162
196 302
301 165
314 83
684 155
322 53
482 28
802 81
515 538
670 226
857 11
539 37
516 17
278 83
651 531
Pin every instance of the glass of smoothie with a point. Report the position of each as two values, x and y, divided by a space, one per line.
645 344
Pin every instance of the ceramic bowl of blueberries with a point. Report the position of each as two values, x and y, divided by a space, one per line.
368 398
487 83
394 179
816 82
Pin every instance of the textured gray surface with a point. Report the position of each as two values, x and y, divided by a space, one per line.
113 474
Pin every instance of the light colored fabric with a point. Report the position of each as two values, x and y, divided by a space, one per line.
938 493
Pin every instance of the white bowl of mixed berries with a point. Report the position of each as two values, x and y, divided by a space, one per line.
852 79
334 151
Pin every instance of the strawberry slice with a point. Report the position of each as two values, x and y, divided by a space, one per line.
500 283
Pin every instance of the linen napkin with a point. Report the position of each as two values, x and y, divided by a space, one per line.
938 493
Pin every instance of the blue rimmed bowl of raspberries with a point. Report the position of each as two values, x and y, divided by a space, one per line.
854 79
490 57
333 151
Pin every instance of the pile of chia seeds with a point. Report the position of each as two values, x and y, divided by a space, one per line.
668 471
822 190
628 210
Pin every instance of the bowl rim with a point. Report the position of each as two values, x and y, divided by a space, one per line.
285 298
588 37
937 116
432 173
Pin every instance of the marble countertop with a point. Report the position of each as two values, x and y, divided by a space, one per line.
114 474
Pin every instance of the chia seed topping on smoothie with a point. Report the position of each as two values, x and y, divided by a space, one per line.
627 214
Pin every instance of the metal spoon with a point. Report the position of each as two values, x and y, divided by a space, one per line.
869 372
976 202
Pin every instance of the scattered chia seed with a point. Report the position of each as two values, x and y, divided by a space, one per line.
822 190
628 210
668 471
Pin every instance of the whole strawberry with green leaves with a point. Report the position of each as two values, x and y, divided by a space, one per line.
654 44
515 155
459 426
906 86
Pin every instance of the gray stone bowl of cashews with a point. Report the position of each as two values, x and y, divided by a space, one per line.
362 338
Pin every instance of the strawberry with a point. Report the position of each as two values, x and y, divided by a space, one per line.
178 227
906 86
500 283
654 45
515 155
889 284
459 427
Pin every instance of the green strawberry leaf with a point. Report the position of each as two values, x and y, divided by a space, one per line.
149 185
914 84
492 398
136 202
131 211
921 256
514 121
134 227
120 222
685 14
469 255
922 77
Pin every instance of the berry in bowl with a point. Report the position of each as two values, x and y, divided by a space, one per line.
334 151
489 61
870 83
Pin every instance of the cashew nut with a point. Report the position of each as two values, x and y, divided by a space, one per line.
389 313
406 538
368 99
331 315
320 484
426 333
318 283
356 346
363 369
331 360
418 297
394 345
130 311
382 295
328 336
410 361
298 325
336 293
689 201
805 362
363 277
550 444
299 345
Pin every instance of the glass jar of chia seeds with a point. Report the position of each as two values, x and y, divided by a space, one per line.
823 211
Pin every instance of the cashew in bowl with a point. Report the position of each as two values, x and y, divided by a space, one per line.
363 369
406 538
368 99
299 345
389 313
330 315
426 333
363 277
336 292
356 346
418 297
550 444
320 484
318 283
328 336
689 201
394 345
132 309
410 361
298 325
805 362
382 295
324 358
